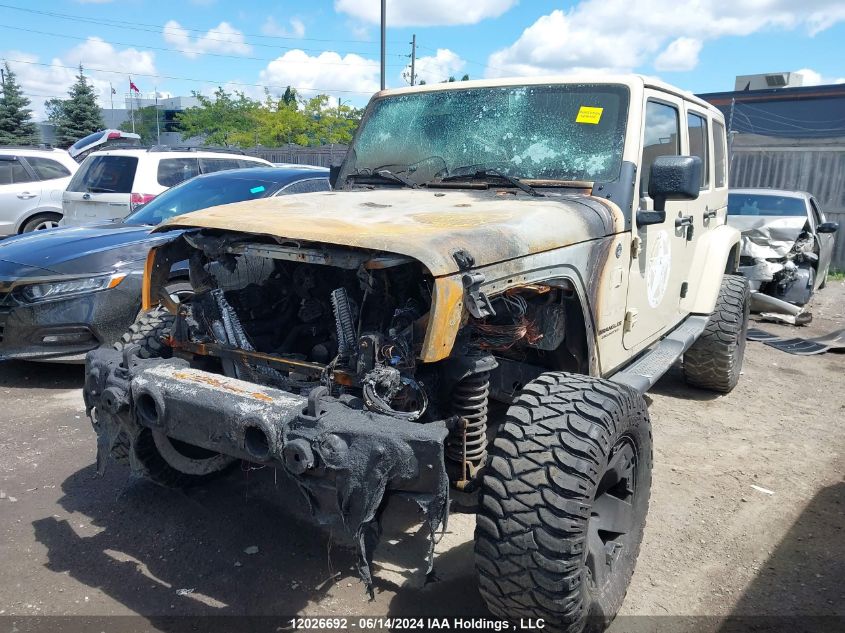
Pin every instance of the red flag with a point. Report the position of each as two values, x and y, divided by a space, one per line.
132 86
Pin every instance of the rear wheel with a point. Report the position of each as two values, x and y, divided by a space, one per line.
41 222
714 361
563 502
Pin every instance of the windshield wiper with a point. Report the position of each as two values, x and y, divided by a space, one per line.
483 173
100 190
386 174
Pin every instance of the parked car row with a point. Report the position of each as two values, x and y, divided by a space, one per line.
66 291
46 188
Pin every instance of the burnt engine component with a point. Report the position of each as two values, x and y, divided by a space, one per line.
467 443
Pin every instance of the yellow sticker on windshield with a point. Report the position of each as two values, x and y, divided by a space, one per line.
589 115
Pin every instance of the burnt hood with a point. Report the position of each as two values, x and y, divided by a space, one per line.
426 225
81 250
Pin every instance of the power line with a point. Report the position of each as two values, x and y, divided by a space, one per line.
134 26
175 78
185 51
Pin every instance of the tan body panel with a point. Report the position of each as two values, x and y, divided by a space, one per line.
711 256
428 226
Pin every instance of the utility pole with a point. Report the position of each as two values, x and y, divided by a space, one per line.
413 59
158 131
3 79
383 39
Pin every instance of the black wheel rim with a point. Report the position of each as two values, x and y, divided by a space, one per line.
612 513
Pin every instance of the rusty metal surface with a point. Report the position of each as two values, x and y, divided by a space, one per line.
426 225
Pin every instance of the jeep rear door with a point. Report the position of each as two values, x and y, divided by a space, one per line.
660 253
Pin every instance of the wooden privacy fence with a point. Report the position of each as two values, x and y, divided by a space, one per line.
813 165
323 156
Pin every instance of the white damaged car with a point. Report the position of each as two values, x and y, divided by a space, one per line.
787 244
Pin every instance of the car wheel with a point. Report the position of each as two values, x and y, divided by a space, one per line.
563 502
41 222
714 361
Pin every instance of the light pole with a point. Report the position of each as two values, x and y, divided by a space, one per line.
383 36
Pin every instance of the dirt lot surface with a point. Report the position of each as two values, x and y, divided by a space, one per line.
746 512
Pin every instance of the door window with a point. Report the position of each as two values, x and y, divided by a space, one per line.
47 169
697 130
662 137
172 171
209 165
12 172
306 186
720 154
818 216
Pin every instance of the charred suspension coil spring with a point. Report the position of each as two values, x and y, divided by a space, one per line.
469 401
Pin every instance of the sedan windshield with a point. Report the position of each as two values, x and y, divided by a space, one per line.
557 132
765 204
203 192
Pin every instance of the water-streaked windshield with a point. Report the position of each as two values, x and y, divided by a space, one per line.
560 132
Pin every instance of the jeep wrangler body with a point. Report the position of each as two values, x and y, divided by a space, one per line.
475 310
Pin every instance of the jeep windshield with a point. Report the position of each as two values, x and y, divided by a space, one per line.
568 132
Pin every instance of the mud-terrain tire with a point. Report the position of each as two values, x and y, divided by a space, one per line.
714 361
563 502
148 333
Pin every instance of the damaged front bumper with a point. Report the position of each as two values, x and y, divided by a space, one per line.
345 459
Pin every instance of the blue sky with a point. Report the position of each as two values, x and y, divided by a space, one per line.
332 45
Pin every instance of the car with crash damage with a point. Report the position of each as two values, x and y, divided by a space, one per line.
469 319
67 291
787 243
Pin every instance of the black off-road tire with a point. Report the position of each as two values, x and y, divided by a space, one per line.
714 361
572 451
148 332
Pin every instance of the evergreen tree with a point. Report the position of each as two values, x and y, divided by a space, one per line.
16 127
79 115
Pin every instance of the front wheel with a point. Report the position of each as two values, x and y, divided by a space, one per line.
564 499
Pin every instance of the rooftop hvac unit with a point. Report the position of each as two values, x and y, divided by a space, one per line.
768 80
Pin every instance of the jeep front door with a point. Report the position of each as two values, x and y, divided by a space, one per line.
659 250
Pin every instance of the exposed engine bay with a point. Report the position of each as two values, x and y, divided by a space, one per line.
354 323
310 357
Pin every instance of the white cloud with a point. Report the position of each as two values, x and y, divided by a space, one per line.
41 82
271 27
681 54
425 12
435 68
814 78
327 71
619 35
224 38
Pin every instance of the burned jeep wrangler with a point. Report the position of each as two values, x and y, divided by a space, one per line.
474 312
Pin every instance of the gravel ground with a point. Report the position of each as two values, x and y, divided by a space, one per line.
746 513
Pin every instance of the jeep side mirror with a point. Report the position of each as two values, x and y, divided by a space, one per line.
674 178
828 227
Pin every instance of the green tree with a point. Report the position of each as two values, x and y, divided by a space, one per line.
78 115
16 126
221 119
145 124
